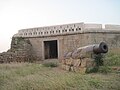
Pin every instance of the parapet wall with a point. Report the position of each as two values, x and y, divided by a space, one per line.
93 26
112 27
66 29
51 30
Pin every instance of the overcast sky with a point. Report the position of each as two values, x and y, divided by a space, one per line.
19 14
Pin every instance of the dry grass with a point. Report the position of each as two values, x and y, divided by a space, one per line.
29 76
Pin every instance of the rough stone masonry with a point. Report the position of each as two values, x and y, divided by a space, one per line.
52 42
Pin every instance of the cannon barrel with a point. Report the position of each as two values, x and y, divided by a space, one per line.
100 48
82 51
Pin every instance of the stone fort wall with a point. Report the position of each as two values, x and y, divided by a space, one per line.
70 37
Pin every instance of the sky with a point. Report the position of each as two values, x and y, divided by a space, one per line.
20 14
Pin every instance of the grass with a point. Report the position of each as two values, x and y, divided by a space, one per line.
31 76
50 64
112 59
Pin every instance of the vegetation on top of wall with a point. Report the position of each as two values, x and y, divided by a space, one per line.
19 42
16 40
20 39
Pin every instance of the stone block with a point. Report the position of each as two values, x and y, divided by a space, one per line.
83 62
69 61
82 70
71 68
63 66
77 62
67 68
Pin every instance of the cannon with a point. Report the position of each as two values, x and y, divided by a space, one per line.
83 58
85 51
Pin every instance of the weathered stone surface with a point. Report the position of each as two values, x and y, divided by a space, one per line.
6 57
67 43
78 65
20 51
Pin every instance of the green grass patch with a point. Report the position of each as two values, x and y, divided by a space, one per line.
105 69
50 64
30 76
112 59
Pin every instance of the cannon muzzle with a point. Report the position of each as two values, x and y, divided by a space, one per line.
100 48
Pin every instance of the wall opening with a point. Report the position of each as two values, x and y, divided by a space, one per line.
51 49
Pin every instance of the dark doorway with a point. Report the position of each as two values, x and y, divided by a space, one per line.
50 49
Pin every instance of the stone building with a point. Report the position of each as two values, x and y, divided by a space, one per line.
52 42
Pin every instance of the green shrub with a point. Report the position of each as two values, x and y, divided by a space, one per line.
92 70
50 64
104 69
99 59
112 60
99 62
